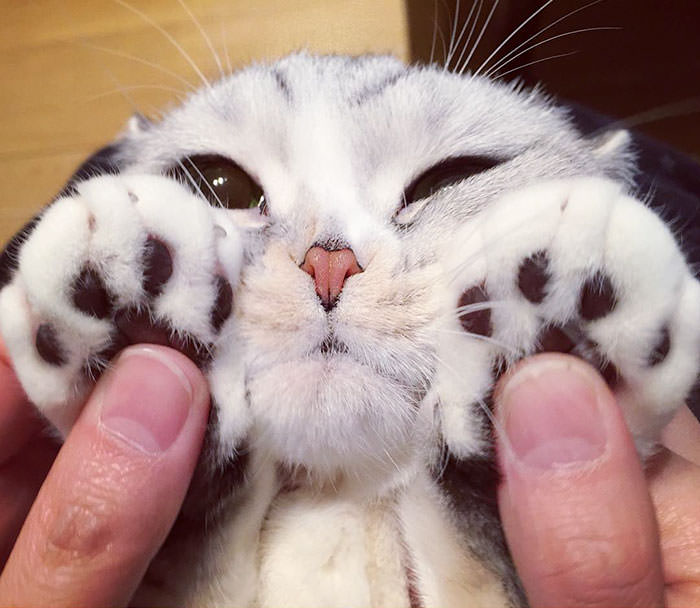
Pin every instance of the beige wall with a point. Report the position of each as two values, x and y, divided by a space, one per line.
61 98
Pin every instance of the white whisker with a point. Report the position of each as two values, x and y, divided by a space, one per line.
465 46
204 35
142 61
469 308
524 65
218 200
124 92
169 37
545 41
516 30
542 31
453 34
481 34
435 29
156 87
509 348
225 45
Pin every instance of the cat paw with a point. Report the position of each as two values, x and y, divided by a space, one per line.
580 267
124 259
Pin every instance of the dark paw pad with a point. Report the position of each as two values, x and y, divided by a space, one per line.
90 295
157 266
597 297
476 321
223 304
533 275
554 339
48 346
193 349
136 326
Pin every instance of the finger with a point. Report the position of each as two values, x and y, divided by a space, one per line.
574 502
18 419
115 488
20 480
674 483
682 435
25 455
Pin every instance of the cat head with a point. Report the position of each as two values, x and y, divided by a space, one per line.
386 163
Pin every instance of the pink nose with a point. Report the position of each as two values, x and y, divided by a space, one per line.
329 269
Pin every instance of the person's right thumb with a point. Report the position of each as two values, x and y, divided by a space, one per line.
574 502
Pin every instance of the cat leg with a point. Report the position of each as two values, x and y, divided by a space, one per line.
120 260
579 266
575 266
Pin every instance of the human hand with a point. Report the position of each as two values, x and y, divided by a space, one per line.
585 525
114 489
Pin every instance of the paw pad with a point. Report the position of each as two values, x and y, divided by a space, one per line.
90 295
135 323
554 339
476 321
597 297
533 276
48 346
157 266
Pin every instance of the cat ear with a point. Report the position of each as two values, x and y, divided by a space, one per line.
612 145
138 123
615 151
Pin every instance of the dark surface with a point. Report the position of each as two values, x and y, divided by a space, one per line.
646 71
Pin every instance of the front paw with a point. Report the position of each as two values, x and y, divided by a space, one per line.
578 266
126 259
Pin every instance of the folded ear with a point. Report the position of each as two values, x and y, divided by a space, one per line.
138 123
616 152
613 145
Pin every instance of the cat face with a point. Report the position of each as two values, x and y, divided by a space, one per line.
390 163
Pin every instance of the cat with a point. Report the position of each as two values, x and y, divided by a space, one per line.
353 249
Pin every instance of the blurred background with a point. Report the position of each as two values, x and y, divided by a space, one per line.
73 71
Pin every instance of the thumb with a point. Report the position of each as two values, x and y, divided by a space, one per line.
115 488
574 502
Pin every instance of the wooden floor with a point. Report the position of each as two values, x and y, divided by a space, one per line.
73 71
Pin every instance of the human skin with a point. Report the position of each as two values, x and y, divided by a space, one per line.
112 492
587 525
115 487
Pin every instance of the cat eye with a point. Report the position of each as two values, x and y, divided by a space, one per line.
445 174
221 181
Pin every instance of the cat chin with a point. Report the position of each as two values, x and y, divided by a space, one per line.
335 416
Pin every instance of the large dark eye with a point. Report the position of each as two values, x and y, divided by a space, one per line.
446 173
221 181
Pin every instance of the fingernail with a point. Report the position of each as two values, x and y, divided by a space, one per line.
147 399
551 415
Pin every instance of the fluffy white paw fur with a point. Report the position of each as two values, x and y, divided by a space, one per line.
574 266
138 251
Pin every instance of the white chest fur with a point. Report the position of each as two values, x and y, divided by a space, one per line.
319 549
324 548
